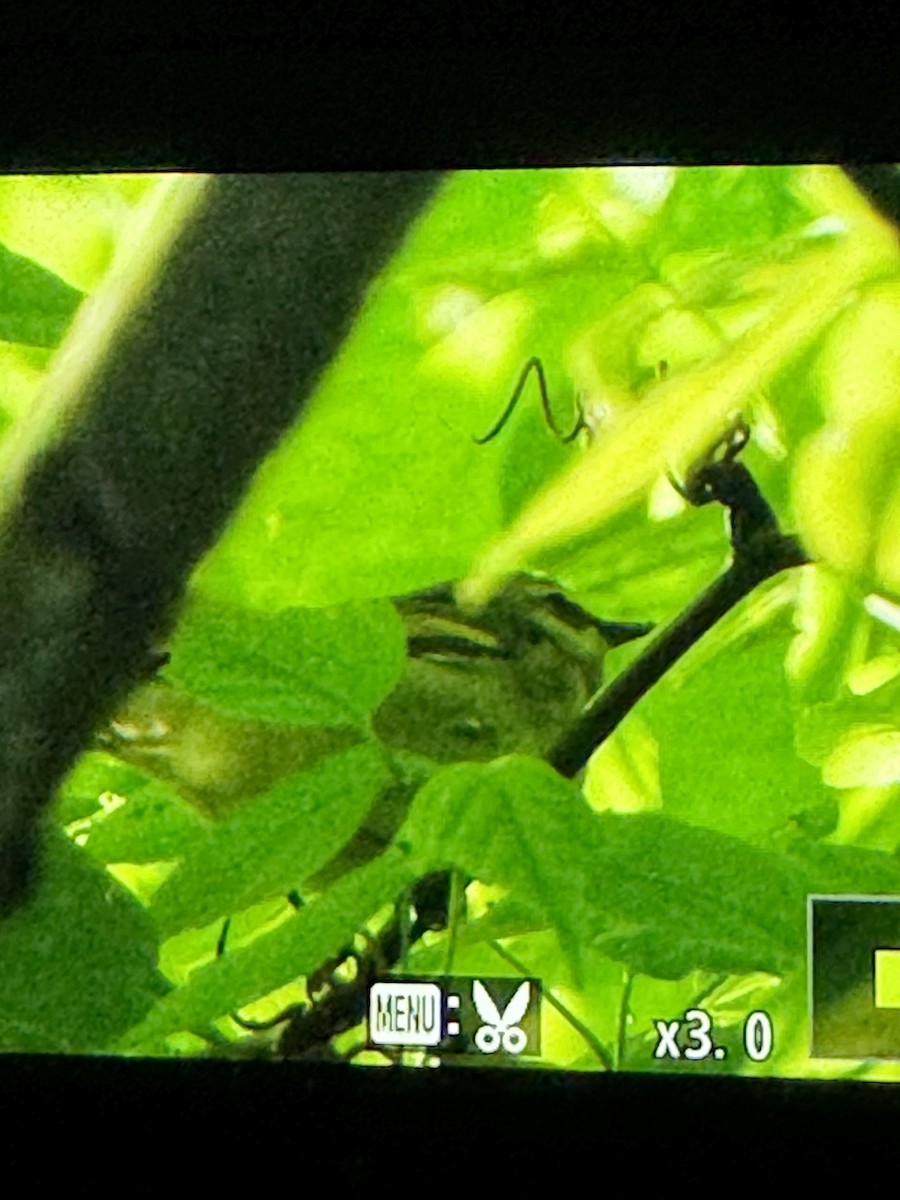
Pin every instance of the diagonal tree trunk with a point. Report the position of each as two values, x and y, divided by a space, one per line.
176 379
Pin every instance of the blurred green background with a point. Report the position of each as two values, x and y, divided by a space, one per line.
764 766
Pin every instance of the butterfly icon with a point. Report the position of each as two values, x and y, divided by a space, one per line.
500 1030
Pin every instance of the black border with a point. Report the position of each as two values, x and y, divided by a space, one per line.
425 1128
363 108
206 102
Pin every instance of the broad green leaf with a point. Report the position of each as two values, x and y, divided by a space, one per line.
268 847
669 898
298 666
659 895
381 489
662 896
77 962
314 934
726 747
510 917
514 822
643 569
844 870
623 774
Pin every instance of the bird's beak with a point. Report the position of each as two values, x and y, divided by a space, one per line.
617 633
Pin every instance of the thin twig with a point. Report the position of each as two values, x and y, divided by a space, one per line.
455 908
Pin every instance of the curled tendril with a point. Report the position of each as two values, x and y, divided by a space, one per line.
534 364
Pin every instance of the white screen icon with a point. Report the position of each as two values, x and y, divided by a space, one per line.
405 1014
500 1029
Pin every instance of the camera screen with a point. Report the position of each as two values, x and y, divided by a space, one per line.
452 620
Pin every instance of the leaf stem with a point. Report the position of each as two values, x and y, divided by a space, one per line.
624 1013
455 909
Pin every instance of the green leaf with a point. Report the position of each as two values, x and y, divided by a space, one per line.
855 739
659 895
310 937
508 918
727 759
381 489
93 775
514 822
152 826
71 224
669 899
846 870
77 963
641 570
297 666
270 846
742 207
36 306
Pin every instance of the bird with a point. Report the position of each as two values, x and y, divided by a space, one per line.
508 679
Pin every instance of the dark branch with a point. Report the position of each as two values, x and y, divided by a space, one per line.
606 712
760 552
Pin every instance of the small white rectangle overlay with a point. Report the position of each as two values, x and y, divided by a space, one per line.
405 1014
